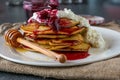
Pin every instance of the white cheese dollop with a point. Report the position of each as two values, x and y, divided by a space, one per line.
95 38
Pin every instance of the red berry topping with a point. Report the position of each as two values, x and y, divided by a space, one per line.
47 17
43 14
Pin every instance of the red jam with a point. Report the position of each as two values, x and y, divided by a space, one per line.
35 32
64 23
75 55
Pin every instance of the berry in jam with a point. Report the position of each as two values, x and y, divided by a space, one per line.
44 14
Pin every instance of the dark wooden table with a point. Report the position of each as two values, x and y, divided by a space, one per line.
105 8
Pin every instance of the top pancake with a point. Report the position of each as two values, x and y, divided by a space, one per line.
69 27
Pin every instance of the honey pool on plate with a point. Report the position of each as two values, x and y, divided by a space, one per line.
71 55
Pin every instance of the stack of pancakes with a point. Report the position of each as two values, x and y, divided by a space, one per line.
69 37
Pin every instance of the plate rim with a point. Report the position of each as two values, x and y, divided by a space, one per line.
68 63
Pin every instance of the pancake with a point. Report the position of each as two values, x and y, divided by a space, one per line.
70 40
65 22
81 47
35 28
70 36
61 30
33 36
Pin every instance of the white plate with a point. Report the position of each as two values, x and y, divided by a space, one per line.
111 37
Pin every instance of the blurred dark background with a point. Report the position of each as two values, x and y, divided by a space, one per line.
12 10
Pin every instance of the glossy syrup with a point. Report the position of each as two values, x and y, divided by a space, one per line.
20 50
75 55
